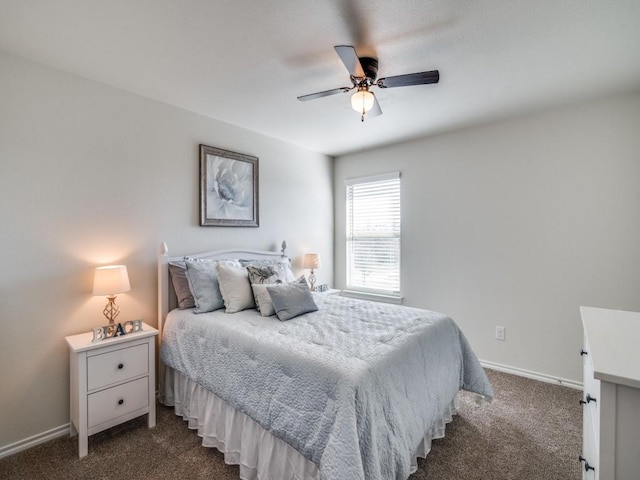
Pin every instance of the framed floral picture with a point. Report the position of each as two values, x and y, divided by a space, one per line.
228 188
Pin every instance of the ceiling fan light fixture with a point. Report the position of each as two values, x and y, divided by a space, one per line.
362 101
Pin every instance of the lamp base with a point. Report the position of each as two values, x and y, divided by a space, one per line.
111 311
312 281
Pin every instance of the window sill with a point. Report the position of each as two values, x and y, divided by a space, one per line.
376 297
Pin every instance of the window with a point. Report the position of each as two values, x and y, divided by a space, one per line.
373 234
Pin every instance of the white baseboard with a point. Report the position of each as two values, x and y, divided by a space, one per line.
43 437
63 430
543 377
26 443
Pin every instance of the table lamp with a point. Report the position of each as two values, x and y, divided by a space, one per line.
312 261
109 281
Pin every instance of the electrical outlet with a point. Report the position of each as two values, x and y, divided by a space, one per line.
499 333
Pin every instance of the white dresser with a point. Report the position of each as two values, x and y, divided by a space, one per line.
611 399
112 381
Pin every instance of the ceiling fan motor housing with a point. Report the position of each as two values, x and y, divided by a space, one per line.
370 67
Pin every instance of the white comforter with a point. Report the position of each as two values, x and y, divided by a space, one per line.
353 387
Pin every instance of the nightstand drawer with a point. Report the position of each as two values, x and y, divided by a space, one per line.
117 366
117 401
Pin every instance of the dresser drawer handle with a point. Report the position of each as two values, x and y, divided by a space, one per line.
587 467
583 352
589 399
121 401
120 366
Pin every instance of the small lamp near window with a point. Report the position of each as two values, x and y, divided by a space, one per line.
109 281
312 261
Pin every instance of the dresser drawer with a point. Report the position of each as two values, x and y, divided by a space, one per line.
117 401
117 366
592 389
590 448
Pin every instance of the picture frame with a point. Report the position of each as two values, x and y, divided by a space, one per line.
228 188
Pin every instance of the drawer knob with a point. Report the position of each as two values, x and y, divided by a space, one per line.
120 366
587 467
120 402
589 399
583 352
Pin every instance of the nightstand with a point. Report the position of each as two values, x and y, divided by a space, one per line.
112 381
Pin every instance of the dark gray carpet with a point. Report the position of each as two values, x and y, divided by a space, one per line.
532 430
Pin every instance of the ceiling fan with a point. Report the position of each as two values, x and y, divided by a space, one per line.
363 72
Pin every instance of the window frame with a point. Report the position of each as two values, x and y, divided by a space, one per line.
388 295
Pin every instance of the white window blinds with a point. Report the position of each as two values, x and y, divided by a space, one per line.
373 234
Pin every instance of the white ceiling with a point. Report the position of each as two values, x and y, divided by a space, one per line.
245 62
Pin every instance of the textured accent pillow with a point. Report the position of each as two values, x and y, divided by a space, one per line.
290 301
203 283
266 274
235 288
178 272
282 266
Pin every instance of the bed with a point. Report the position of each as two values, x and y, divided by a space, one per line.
353 389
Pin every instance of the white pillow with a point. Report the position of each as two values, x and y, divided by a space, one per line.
263 299
235 288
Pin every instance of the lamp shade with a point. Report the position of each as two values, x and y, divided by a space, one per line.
311 260
111 280
362 101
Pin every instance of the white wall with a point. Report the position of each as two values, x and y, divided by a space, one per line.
92 175
517 224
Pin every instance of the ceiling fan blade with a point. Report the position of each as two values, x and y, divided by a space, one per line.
326 93
421 78
375 110
350 59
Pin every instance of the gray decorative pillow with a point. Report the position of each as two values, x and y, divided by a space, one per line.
290 301
178 272
263 299
203 283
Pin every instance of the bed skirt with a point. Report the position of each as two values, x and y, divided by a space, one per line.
260 455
